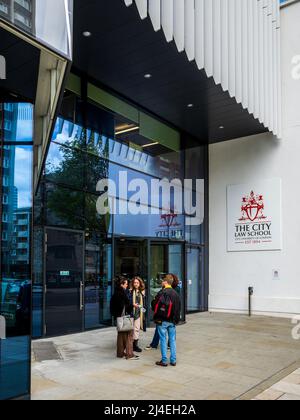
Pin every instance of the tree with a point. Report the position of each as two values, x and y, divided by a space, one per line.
71 196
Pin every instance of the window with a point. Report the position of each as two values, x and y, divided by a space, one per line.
5 199
7 125
15 279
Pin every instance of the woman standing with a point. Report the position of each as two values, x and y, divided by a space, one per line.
119 302
138 300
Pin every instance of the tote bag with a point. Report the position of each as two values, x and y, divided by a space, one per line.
125 323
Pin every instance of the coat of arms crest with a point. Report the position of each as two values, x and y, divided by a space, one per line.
253 207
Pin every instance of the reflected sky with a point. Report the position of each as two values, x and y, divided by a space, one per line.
23 177
25 123
23 157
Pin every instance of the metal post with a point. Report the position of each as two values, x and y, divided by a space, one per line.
250 294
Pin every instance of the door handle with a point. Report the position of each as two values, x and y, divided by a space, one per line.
81 296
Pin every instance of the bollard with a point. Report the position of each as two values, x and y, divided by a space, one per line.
250 294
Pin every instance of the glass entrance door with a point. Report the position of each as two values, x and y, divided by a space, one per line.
158 267
176 266
131 258
167 258
98 281
194 277
64 298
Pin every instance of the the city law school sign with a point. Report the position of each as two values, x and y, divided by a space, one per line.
2 68
2 328
254 216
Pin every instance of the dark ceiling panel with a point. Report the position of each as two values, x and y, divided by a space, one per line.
22 61
123 49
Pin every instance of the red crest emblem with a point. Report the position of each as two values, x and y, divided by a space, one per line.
253 207
169 220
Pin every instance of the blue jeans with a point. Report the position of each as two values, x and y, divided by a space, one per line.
164 330
155 341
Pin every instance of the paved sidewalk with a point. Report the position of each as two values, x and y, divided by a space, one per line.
286 390
221 357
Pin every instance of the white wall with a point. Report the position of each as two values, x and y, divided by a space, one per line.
258 158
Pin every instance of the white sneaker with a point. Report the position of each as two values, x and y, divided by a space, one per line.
149 348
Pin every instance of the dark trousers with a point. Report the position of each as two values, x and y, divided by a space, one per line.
125 345
156 339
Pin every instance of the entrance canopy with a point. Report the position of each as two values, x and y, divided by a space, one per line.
118 50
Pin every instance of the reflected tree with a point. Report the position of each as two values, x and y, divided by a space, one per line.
71 196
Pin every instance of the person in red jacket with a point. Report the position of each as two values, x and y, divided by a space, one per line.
155 342
167 309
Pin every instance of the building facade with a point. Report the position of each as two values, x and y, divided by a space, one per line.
149 91
272 273
148 244
35 52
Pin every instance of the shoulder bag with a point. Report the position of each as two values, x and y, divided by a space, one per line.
125 323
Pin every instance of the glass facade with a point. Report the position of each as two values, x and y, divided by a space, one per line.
16 222
48 21
91 143
75 252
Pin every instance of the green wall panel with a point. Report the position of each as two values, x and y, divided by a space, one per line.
74 84
150 127
159 132
112 103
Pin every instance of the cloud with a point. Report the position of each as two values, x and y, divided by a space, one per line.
24 130
23 176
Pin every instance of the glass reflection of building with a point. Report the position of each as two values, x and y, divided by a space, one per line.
20 12
21 250
15 282
91 143
35 36
9 191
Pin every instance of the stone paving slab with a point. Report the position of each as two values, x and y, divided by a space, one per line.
220 357
287 389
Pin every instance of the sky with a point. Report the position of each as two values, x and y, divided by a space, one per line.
23 177
23 161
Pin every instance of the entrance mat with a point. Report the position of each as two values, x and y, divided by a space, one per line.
45 351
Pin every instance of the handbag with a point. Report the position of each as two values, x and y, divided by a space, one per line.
125 323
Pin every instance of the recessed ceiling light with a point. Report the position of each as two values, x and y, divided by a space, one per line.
190 106
221 127
127 130
150 145
148 76
87 34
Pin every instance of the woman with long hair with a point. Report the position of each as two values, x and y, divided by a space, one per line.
138 299
120 304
